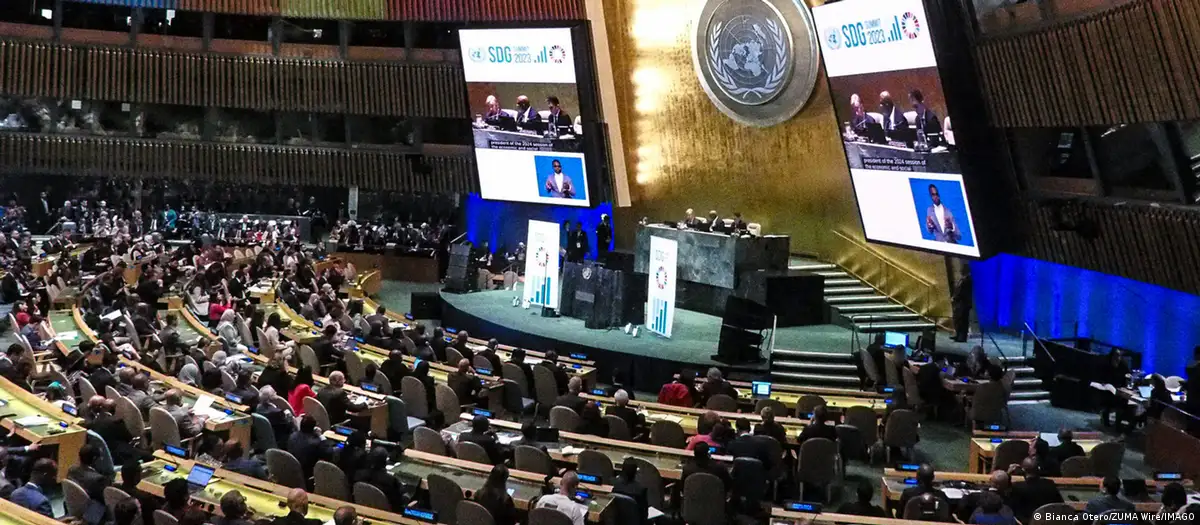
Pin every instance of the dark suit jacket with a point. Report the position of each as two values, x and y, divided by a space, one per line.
395 370
439 349
277 378
467 353
712 467
712 388
92 481
818 431
571 401
33 498
635 421
116 435
464 386
307 449
293 518
774 430
1030 494
499 506
488 442
389 484
494 359
560 376
1066 451
912 492
750 446
634 490
337 403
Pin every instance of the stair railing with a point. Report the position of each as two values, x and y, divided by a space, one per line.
857 267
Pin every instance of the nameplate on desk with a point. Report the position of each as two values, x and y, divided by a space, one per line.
995 428
1168 476
176 451
341 430
451 330
409 316
589 478
599 392
234 398
802 506
579 356
369 387
908 467
420 514
482 412
484 371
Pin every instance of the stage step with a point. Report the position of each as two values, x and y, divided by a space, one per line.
855 299
881 317
861 308
1030 395
813 267
815 379
1026 382
837 281
847 290
822 367
899 326
834 274
802 354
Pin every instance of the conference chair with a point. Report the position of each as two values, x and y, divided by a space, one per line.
316 409
412 391
1053 514
807 404
285 469
265 349
355 369
227 381
264 435
818 464
667 434
1076 467
111 393
382 383
532 459
515 404
244 330
870 367
622 510
1106 459
75 498
453 356
749 488
57 375
703 500
444 495
850 444
468 451
901 432
471 513
618 429
564 418
912 392
428 440
132 417
86 392
987 405
596 464
912 510
1009 452
113 496
545 388
514 373
398 419
104 464
867 422
162 517
891 371
482 362
777 406
447 402
163 429
282 404
649 476
721 403
330 481
369 495
548 516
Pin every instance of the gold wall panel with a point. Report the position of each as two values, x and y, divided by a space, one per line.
792 178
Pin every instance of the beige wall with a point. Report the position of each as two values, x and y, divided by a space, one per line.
792 178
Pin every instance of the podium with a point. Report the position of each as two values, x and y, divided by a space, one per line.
592 293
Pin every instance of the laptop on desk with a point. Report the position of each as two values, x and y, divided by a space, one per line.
198 478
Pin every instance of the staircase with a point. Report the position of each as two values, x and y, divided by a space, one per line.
857 306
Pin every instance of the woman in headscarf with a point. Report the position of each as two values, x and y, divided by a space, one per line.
229 334
190 375
281 421
276 375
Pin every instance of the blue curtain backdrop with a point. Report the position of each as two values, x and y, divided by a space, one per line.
1054 299
504 224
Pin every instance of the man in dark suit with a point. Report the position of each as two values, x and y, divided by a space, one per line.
577 243
571 399
1000 485
925 475
927 121
376 474
326 346
297 504
395 368
465 384
86 475
604 236
715 224
438 344
817 428
32 495
460 344
895 125
627 484
113 430
635 421
1033 492
560 376
337 402
380 318
1067 448
480 435
306 445
489 353
747 445
558 117
527 117
770 427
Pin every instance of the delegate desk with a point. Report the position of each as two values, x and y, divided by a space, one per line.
265 500
255 363
983 445
235 420
781 516
38 421
836 399
1075 491
492 138
394 264
13 514
867 155
416 467
669 461
688 418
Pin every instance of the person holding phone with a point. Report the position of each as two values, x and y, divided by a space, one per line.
495 497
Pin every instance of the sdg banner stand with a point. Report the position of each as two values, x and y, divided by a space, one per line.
541 264
660 299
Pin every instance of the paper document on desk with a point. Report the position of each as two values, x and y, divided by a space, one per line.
111 315
571 451
35 420
665 417
533 360
508 440
203 407
67 336
1050 438
953 494
1105 387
